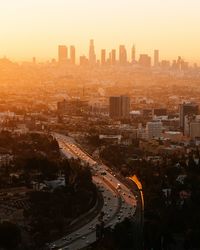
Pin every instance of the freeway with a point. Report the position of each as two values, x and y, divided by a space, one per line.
119 201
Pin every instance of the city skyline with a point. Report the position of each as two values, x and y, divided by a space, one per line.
120 57
99 124
132 52
67 54
147 24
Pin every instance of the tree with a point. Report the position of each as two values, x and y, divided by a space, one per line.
10 236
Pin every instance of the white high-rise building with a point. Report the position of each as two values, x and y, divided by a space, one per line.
154 129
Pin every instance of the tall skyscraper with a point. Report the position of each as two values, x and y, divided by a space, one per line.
156 58
145 60
119 107
103 57
122 55
109 58
125 106
133 54
187 109
72 55
34 60
83 61
179 62
113 57
62 54
92 56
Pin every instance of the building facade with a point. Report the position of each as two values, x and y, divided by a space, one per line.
187 109
119 107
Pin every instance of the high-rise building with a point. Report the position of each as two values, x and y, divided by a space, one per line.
83 61
114 107
156 58
34 60
113 57
184 65
72 55
62 106
119 107
92 56
133 54
62 54
122 55
154 129
103 57
187 109
179 62
192 126
145 60
109 58
188 119
125 106
195 129
165 64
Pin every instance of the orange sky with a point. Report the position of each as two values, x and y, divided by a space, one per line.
35 27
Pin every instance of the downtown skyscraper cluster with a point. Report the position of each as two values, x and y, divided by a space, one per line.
63 54
106 58
67 56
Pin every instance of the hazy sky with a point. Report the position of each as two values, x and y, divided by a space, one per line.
35 27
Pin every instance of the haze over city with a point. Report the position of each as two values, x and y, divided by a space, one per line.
99 125
37 27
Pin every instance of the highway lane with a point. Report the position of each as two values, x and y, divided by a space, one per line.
119 201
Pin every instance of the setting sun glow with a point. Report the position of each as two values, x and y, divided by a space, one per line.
35 28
